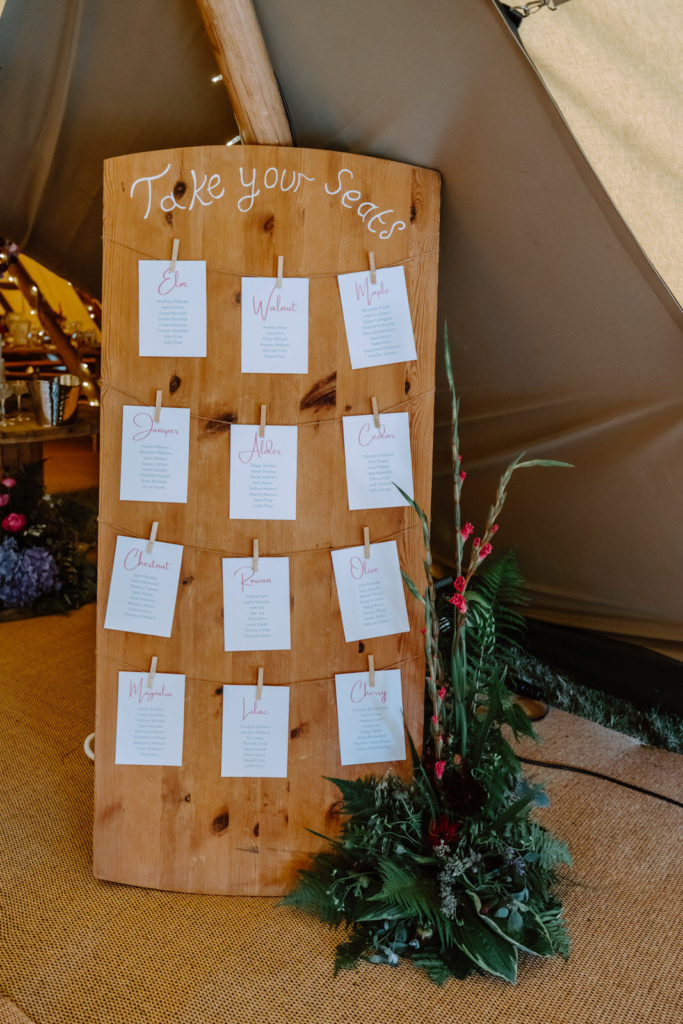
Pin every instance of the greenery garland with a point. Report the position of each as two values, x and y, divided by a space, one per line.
449 870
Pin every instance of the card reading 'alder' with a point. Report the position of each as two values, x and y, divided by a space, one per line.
263 472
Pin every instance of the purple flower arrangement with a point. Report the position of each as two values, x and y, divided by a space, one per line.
25 574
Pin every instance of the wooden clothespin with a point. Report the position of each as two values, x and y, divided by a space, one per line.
371 670
152 538
280 269
366 541
262 424
373 268
375 411
157 406
259 685
174 254
254 558
152 673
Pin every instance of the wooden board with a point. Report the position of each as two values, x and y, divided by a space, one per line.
187 828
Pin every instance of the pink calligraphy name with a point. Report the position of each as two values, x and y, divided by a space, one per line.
248 577
263 309
135 558
364 291
360 691
360 568
170 280
144 420
259 450
144 695
365 438
255 710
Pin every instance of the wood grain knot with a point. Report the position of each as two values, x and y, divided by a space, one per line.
218 692
188 580
188 798
219 424
174 384
257 829
413 213
220 823
238 298
269 224
168 217
298 730
179 189
361 646
407 386
322 395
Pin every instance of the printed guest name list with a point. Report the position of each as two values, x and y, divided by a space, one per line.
144 587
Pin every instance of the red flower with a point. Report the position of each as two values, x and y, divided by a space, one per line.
442 693
460 584
8 481
14 522
459 601
435 720
424 632
4 500
443 831
494 529
486 549
476 542
466 531
463 474
439 768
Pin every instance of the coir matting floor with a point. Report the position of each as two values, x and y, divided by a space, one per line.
76 950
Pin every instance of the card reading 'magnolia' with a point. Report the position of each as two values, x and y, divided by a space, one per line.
370 591
262 472
150 720
144 587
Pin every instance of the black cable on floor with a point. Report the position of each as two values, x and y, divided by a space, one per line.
599 775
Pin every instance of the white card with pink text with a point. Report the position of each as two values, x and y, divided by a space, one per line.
370 591
263 472
377 318
144 587
370 718
377 458
274 325
172 308
255 732
154 456
256 605
150 719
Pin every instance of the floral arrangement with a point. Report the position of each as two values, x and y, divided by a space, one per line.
44 542
449 870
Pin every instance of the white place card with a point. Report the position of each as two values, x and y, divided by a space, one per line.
172 311
149 721
154 456
256 605
274 325
376 459
370 718
370 591
143 588
255 732
377 318
263 472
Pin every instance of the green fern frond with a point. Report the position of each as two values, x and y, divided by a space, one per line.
311 894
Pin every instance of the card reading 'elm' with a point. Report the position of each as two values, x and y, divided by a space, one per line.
172 308
370 591
144 587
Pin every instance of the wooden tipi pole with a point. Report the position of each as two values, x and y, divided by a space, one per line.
243 61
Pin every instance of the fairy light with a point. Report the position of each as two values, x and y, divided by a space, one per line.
217 78
34 289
